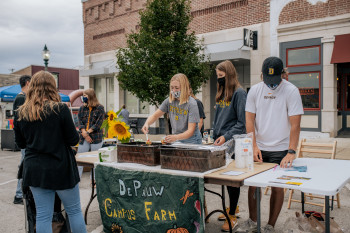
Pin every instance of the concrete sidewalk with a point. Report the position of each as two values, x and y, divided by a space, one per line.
12 216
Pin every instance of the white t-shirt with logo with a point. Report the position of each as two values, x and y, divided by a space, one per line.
272 110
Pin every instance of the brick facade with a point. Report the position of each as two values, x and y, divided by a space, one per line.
215 15
106 22
68 78
302 10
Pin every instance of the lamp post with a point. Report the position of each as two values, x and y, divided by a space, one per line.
46 56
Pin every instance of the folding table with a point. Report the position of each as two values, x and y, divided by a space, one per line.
328 177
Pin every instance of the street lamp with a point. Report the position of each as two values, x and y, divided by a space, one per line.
46 56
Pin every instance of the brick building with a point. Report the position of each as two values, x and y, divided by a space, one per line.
312 37
67 79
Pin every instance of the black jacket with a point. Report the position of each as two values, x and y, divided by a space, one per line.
49 161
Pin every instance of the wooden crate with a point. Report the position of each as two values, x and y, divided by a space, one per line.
190 159
139 152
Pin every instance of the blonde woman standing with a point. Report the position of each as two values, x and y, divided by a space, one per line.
182 110
46 131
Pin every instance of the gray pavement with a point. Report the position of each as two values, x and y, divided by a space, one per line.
12 216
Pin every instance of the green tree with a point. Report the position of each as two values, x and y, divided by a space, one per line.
162 48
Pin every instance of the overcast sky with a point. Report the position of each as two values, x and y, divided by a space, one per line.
27 25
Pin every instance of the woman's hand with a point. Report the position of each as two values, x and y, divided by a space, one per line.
84 133
145 128
219 141
257 154
171 138
88 139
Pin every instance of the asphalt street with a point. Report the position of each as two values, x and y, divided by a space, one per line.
12 219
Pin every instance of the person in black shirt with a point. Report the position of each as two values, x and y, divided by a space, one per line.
45 127
91 116
229 120
201 112
19 100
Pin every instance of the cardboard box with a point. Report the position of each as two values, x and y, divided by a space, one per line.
108 154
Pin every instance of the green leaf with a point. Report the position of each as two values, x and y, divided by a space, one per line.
119 111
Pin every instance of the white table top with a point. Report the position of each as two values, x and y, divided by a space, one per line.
328 176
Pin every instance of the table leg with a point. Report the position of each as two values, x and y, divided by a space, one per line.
222 196
332 203
328 228
257 195
93 195
302 202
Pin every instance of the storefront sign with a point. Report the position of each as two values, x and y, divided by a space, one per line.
307 91
137 201
250 38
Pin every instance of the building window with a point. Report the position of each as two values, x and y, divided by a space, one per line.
309 88
339 93
104 89
304 56
347 93
134 105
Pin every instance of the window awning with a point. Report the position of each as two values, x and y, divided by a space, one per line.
341 50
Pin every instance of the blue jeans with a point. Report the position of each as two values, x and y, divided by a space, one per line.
86 147
195 139
44 202
19 193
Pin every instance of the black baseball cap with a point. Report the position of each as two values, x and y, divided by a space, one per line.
272 69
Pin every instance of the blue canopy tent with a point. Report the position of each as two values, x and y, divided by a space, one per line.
8 93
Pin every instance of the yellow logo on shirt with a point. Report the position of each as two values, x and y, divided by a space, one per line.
223 104
176 118
177 110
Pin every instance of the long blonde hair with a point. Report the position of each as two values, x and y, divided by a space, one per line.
41 98
231 81
93 101
184 86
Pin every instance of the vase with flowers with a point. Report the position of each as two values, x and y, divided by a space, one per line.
114 127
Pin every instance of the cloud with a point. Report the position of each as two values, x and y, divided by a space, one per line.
26 26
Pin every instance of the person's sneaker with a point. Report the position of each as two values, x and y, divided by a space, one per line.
222 216
234 224
268 229
247 226
18 200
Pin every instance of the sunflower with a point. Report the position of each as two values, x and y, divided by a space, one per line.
116 228
111 116
119 129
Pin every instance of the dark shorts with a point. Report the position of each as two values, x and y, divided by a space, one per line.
273 156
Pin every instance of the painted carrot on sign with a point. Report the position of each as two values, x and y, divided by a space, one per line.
187 195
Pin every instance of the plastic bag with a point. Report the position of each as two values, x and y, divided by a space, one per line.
244 151
311 222
299 224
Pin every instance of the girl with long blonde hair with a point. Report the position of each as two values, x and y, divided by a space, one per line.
45 129
182 110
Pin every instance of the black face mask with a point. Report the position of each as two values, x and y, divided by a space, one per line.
221 81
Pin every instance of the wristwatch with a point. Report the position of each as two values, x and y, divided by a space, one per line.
291 151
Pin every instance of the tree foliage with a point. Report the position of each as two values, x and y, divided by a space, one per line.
162 48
